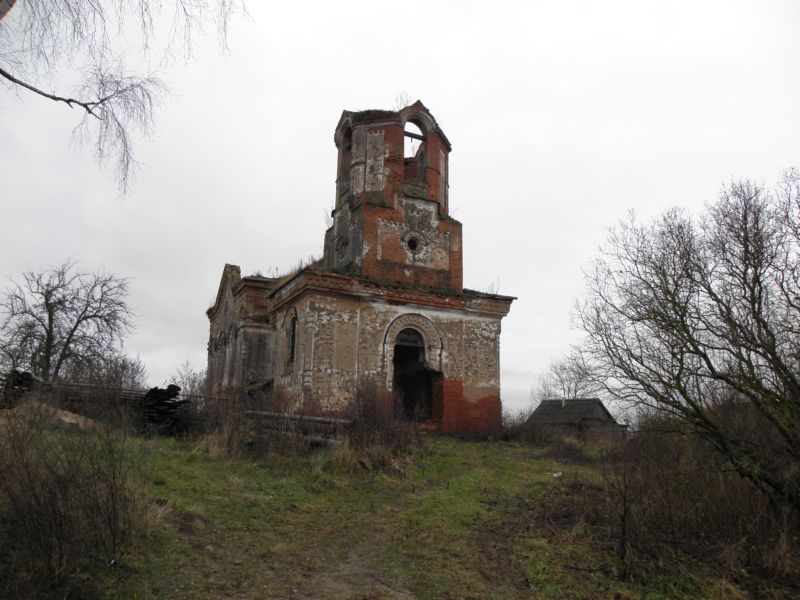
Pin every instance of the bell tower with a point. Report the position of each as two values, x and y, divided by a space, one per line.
391 221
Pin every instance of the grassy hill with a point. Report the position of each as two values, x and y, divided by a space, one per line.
445 519
453 520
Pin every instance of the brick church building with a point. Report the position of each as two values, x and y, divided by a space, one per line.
386 302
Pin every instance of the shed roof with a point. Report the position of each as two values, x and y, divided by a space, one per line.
571 411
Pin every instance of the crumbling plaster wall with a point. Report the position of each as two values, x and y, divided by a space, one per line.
391 222
241 342
222 343
344 339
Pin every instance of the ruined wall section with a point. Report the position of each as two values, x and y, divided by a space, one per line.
481 374
241 339
292 341
343 241
412 245
332 362
257 348
221 343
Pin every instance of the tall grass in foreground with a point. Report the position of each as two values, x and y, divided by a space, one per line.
666 502
379 431
71 501
670 500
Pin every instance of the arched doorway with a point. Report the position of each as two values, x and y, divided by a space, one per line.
412 381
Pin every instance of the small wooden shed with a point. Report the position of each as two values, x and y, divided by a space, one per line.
574 416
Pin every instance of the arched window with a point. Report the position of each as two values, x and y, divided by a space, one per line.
292 338
414 137
345 162
347 150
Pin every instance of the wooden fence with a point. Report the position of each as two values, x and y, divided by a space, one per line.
97 401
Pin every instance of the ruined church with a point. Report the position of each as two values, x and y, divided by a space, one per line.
385 303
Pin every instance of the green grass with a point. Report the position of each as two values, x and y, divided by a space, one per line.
453 520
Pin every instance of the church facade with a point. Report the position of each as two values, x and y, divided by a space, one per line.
385 303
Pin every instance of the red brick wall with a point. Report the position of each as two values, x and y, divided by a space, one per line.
392 266
460 417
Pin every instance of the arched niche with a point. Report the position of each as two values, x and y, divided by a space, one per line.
343 138
289 326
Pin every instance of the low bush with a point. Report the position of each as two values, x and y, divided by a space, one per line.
515 424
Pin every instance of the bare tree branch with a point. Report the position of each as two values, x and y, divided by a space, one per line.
45 38
698 319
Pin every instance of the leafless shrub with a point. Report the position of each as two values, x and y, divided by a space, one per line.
379 418
671 501
113 372
191 381
559 444
255 423
113 406
380 429
371 431
567 448
401 100
71 501
514 423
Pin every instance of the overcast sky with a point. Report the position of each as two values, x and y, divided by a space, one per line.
563 116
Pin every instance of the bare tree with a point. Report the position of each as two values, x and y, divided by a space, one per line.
62 318
401 100
115 371
566 377
191 381
699 320
41 40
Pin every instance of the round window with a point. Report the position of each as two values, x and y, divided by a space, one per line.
412 243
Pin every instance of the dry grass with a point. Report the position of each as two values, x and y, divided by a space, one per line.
379 431
668 507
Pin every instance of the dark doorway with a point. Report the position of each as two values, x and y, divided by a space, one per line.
412 381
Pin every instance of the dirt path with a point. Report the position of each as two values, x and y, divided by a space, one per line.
353 579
